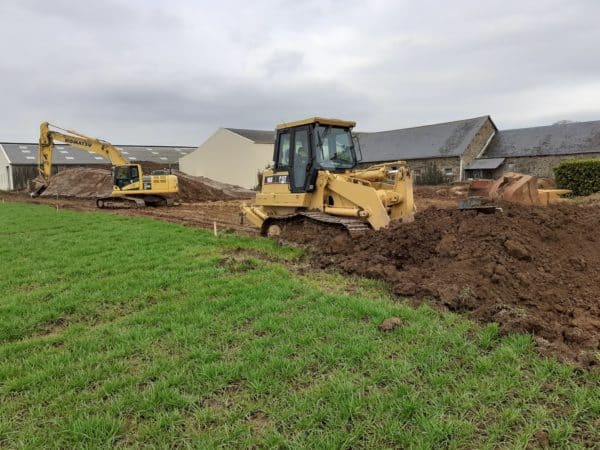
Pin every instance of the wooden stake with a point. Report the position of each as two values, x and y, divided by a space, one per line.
215 228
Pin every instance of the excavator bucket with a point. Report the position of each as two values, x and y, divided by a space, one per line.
37 186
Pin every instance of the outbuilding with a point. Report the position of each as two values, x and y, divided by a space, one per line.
537 150
231 155
435 153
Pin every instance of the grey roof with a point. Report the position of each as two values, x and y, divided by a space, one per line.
429 141
485 163
27 153
256 136
563 139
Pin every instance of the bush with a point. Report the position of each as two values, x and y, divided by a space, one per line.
582 176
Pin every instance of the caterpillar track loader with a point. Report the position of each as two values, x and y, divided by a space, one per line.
131 188
314 179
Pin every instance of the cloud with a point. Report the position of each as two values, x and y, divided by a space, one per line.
171 72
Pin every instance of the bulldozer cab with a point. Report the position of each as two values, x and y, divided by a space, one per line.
303 148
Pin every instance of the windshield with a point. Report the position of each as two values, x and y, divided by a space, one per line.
334 148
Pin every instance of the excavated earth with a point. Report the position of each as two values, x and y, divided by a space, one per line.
91 183
530 269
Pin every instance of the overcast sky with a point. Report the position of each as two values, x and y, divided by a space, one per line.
172 72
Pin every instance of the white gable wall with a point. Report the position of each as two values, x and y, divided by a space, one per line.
5 172
229 158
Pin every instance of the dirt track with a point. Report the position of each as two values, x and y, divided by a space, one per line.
529 269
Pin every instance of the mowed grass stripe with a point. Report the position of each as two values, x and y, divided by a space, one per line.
126 332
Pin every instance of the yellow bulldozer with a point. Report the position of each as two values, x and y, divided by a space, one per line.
314 177
131 187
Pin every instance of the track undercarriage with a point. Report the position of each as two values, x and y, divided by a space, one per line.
276 226
130 201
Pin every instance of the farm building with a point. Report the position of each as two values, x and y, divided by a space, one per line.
440 150
536 151
18 161
231 155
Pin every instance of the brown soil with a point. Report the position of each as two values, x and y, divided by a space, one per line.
90 183
533 270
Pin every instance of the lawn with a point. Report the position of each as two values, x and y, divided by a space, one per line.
130 332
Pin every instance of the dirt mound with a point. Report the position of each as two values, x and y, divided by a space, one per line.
92 183
530 269
197 189
80 182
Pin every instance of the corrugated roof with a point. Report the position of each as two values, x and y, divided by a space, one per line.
485 163
27 153
256 136
429 141
563 139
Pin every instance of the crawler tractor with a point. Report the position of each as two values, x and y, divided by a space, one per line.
314 178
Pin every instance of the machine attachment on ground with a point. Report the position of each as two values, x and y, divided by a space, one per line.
131 188
511 187
314 178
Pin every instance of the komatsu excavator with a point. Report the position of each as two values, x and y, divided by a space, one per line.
131 188
314 178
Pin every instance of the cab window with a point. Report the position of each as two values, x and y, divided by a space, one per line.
283 150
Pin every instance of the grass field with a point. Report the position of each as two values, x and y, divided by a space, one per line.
119 331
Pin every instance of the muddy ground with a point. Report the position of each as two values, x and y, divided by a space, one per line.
530 269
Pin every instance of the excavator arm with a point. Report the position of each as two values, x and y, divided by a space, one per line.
89 144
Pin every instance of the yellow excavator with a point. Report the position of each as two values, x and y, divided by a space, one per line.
131 188
314 178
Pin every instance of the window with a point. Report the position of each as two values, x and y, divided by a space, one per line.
448 171
334 148
301 157
283 151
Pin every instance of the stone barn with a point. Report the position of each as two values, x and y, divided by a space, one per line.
537 150
436 153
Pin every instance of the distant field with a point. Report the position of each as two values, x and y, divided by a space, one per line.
123 331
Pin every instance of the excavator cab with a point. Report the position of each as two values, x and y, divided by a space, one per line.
303 148
127 176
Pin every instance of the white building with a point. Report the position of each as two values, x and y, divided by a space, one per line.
231 155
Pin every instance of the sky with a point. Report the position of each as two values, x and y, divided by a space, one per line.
172 72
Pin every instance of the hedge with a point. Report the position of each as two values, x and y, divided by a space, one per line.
582 176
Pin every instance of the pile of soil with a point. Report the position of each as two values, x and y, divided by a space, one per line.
80 182
91 183
199 189
530 269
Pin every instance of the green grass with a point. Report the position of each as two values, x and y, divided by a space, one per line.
119 331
